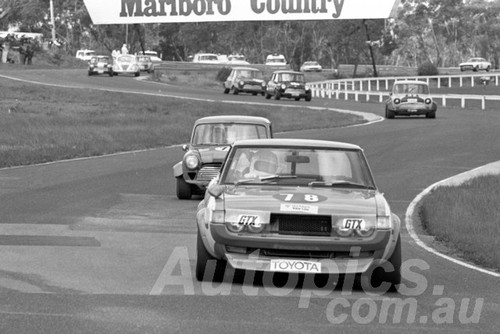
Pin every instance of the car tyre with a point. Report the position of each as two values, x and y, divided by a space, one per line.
380 277
277 95
204 261
308 98
267 95
183 189
236 91
226 90
487 69
389 113
431 114
137 74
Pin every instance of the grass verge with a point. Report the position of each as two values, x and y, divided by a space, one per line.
40 123
466 218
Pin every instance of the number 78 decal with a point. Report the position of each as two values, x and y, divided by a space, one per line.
300 198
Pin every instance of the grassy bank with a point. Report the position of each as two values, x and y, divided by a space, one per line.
40 124
467 219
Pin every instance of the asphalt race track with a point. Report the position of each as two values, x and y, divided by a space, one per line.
103 245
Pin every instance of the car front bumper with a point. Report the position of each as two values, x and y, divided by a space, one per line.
326 255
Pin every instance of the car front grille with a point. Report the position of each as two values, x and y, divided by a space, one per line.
207 173
301 225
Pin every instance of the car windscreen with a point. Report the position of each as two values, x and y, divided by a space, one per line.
320 167
249 74
126 59
411 89
226 133
292 77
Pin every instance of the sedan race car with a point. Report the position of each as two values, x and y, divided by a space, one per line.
408 98
298 206
475 64
246 80
100 65
288 84
210 142
126 64
311 66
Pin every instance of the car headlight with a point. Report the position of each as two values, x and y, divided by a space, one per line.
283 86
307 87
397 101
255 227
263 85
428 100
217 216
365 233
344 232
384 222
192 161
235 227
242 83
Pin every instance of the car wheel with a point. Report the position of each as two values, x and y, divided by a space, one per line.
183 189
387 272
137 74
431 114
110 74
277 95
226 90
90 73
474 69
268 96
235 91
389 113
308 98
297 99
204 261
487 69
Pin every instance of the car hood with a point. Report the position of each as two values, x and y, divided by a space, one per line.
215 154
305 200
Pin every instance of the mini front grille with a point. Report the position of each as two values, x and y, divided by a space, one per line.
301 224
207 173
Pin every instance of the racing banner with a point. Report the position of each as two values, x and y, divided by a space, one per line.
170 11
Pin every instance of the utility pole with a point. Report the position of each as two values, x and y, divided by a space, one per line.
369 42
52 21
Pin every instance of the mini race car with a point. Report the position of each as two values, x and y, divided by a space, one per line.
409 98
297 206
100 65
244 80
210 142
288 84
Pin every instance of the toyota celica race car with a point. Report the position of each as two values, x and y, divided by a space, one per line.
297 206
210 142
409 98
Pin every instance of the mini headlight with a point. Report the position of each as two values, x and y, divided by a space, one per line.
283 86
242 83
264 85
397 101
307 87
192 161
235 227
428 101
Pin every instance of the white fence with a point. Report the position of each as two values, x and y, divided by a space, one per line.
369 88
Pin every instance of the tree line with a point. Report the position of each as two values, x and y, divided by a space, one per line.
441 32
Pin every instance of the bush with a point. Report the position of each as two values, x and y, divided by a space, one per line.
223 74
427 69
